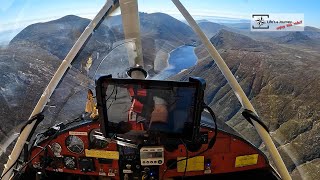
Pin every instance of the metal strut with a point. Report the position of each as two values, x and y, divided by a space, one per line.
237 90
106 10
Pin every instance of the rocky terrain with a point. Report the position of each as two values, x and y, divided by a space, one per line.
308 41
281 82
211 28
294 37
160 35
32 57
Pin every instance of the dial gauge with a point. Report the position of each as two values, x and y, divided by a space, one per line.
95 142
74 144
56 149
69 162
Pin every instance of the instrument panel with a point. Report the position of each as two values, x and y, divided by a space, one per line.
74 144
70 162
68 153
96 143
56 149
79 150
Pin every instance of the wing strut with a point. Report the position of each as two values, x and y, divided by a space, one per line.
131 28
237 90
106 10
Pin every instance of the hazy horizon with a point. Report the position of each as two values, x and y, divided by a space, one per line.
8 34
15 14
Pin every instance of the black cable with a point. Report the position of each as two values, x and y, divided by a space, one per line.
78 119
74 120
44 148
10 167
39 117
250 115
114 87
115 98
210 144
214 138
29 160
185 167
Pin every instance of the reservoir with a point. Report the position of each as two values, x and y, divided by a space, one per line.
181 58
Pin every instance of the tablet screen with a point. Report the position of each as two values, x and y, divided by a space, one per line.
154 106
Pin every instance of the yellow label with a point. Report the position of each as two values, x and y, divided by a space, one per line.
246 160
194 164
102 154
76 133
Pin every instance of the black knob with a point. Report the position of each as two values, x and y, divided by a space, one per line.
146 169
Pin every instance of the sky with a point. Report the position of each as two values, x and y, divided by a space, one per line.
15 14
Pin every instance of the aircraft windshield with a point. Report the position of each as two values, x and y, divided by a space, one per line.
278 71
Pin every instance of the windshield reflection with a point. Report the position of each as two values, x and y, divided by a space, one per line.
276 70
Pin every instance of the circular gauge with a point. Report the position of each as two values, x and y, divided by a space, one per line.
95 142
56 149
69 162
74 144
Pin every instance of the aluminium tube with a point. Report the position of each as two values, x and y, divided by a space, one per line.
131 29
237 90
109 7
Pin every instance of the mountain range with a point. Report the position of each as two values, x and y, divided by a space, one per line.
279 73
282 84
34 54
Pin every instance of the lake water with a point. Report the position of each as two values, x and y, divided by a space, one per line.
180 59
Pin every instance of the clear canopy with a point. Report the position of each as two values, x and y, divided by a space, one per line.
279 71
